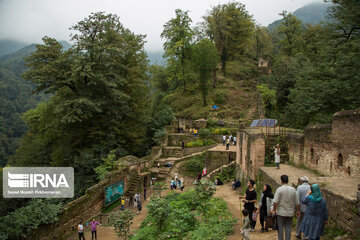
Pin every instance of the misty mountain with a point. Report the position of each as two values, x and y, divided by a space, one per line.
9 46
313 13
156 58
16 98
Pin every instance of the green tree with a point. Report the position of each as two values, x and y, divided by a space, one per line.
159 210
268 98
262 44
347 19
121 220
178 37
290 31
99 91
231 28
205 59
204 190
21 223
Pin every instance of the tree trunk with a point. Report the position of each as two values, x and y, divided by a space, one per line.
223 61
214 78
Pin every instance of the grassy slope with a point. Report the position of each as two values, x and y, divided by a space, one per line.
239 101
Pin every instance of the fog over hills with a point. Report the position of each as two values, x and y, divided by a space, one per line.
313 13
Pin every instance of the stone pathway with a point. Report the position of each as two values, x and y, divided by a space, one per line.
222 148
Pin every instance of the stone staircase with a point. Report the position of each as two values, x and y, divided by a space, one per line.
172 152
133 183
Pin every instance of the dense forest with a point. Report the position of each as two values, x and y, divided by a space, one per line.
100 96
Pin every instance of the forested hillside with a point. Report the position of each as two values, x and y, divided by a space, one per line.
16 98
8 46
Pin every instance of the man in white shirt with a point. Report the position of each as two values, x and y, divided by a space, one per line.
301 192
235 139
285 203
81 231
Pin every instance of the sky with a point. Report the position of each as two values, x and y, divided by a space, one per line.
30 20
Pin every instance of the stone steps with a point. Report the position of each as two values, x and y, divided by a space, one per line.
134 181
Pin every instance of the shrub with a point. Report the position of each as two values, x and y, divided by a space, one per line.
121 221
178 219
200 143
211 123
219 131
23 221
193 166
204 133
220 96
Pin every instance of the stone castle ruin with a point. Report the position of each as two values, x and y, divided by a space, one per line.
329 154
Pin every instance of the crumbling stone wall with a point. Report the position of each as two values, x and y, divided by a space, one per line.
251 153
176 139
216 159
333 149
295 144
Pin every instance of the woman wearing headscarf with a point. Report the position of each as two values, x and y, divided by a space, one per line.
264 205
316 215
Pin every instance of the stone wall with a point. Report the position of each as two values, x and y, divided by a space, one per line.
251 153
295 144
82 209
189 151
176 139
331 149
216 159
330 153
89 205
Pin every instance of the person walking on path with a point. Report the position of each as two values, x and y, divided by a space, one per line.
81 231
250 199
264 205
316 215
93 225
285 203
301 192
277 155
138 202
204 171
235 140
182 184
131 199
224 140
246 225
135 204
227 144
122 203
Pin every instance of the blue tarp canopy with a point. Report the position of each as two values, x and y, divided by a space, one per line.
264 123
215 107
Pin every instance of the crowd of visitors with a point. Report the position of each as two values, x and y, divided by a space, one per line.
228 140
277 211
177 183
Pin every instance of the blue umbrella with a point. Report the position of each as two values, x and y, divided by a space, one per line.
215 107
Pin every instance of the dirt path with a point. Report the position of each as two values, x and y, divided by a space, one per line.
231 197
